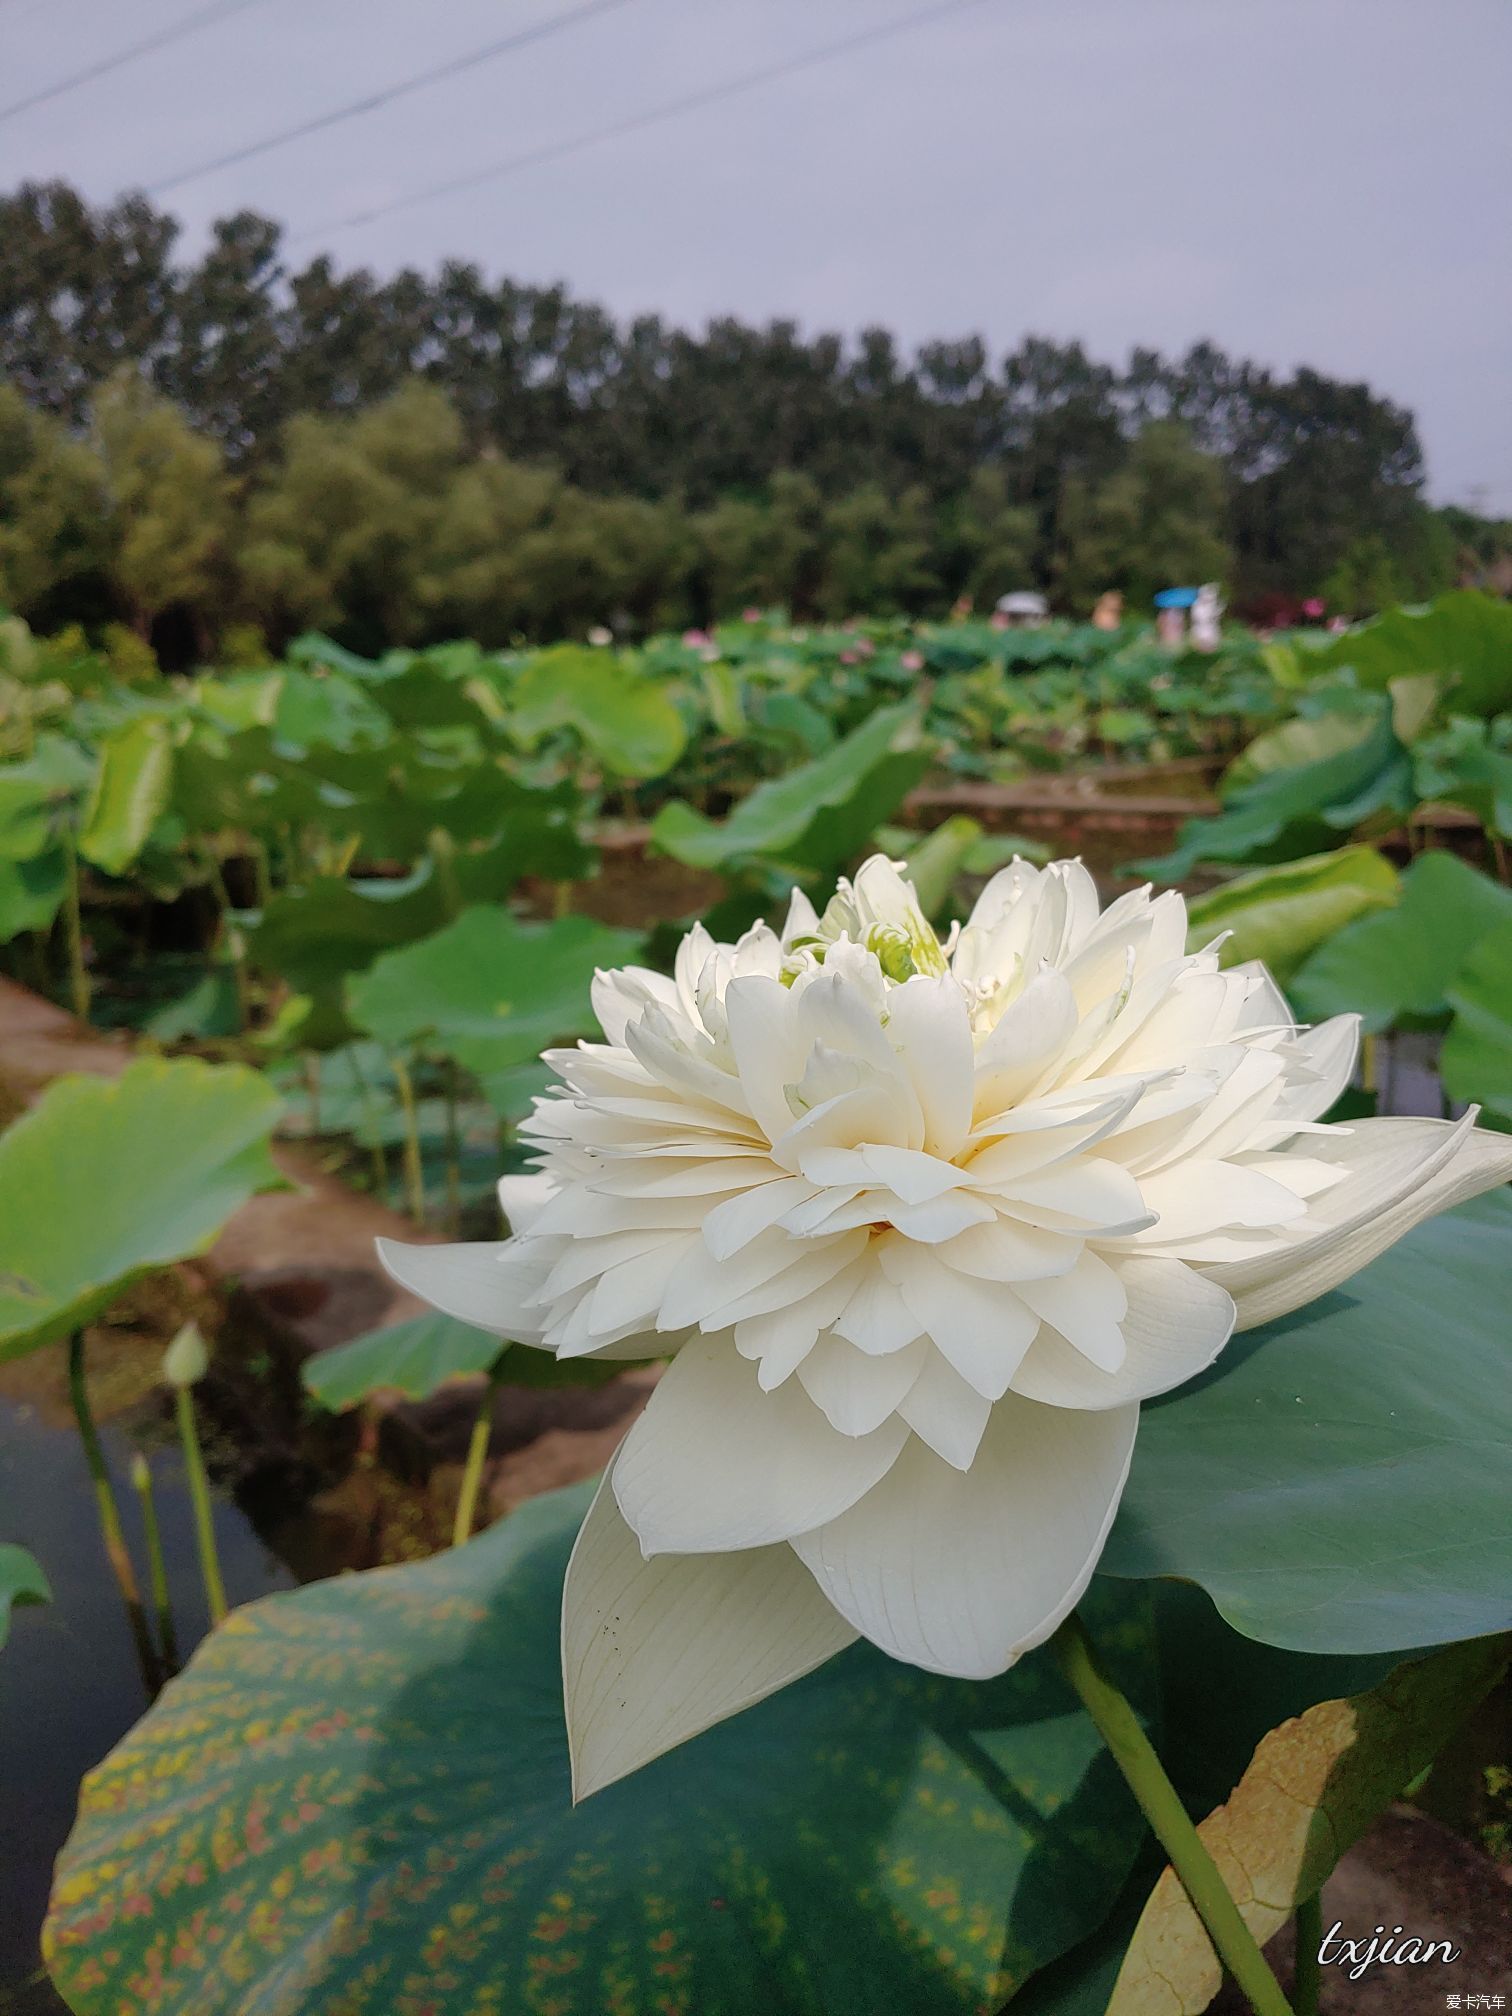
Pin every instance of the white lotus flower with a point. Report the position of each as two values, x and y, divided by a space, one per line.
919 1226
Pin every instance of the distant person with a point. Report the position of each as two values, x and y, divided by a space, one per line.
1171 606
1207 618
1108 615
1022 610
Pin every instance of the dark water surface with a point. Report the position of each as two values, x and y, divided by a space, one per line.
70 1684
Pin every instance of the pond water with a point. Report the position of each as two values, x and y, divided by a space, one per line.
70 1684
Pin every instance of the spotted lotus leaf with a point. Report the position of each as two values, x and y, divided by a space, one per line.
355 1801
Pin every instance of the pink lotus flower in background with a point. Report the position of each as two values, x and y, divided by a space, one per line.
1313 606
752 615
920 1224
912 661
694 638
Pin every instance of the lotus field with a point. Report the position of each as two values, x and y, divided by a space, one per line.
1014 1123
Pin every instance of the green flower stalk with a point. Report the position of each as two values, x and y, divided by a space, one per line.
157 1572
472 1473
184 1365
109 1512
1169 1820
414 1178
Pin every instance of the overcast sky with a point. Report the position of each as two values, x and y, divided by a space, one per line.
1306 181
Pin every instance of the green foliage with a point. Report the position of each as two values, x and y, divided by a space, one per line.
420 456
1279 813
870 1825
1335 1484
1476 1060
130 793
317 934
817 815
417 1357
626 720
1464 638
21 1581
414 1358
170 500
105 1180
489 990
1278 915
1156 521
1396 970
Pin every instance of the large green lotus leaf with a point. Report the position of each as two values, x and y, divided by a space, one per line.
328 710
209 1008
1464 636
1294 744
625 718
21 1581
38 797
1480 779
819 814
313 647
933 860
106 1179
417 1358
357 1799
1281 814
1397 967
425 694
1476 1060
315 935
489 990
1341 1481
131 792
1280 914
532 831
241 700
31 892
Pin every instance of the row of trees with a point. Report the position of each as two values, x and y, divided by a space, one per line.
386 526
188 440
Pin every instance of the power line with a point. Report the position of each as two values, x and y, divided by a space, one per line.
557 150
454 68
218 11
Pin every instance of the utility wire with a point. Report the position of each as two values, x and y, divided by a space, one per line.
204 18
557 150
537 32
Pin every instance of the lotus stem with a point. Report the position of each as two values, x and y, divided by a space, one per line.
1169 1820
261 870
73 931
109 1511
199 1496
370 1116
1307 1971
157 1571
414 1176
561 898
453 1153
228 935
472 1472
443 859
